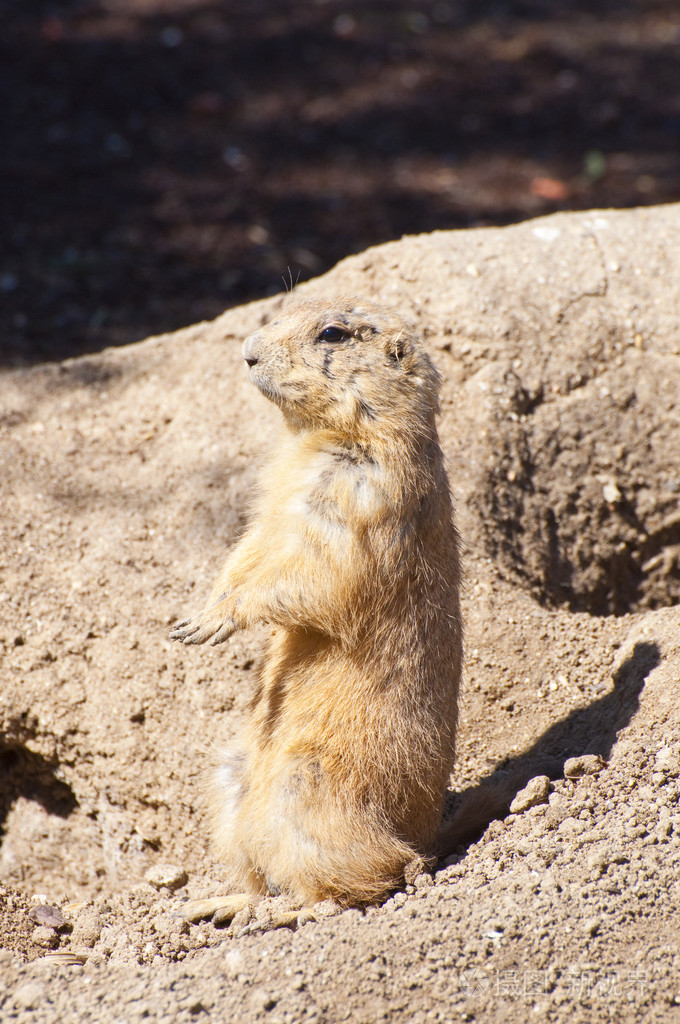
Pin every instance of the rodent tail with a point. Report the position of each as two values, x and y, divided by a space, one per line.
479 808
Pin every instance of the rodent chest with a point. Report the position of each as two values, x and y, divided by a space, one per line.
337 493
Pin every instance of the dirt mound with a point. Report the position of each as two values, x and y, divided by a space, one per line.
125 477
582 503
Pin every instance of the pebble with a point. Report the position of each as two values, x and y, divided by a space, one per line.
599 861
666 758
45 937
261 997
591 925
169 926
587 764
46 915
571 826
166 876
87 928
535 792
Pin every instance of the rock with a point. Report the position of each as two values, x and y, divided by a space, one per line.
599 861
591 925
166 876
45 937
46 915
87 928
329 908
571 826
586 764
535 792
668 760
264 998
164 925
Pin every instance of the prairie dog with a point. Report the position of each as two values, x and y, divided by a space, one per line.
338 779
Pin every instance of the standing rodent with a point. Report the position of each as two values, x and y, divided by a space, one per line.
337 781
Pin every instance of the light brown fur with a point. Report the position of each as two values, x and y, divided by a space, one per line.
337 781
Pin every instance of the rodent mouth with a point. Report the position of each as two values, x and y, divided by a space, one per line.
266 387
284 394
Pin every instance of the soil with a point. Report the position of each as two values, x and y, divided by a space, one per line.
164 159
126 476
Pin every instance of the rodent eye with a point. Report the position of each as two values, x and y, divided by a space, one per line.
332 334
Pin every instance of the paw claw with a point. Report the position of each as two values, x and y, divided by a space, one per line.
219 909
179 631
194 637
202 629
223 633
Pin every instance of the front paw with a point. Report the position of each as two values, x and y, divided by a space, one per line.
208 625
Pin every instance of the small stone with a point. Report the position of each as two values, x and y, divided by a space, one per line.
666 758
87 928
46 915
587 764
599 861
29 995
169 926
45 937
571 826
549 882
611 493
167 876
327 908
264 999
535 792
591 925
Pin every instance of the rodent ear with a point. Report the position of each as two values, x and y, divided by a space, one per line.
397 348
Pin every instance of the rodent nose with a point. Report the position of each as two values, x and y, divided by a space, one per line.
248 350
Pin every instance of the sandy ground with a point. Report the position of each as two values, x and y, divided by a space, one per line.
126 476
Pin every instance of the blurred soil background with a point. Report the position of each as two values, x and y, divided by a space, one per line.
162 160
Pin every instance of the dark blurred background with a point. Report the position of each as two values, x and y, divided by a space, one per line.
162 160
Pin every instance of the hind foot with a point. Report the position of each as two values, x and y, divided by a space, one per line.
266 914
219 909
268 918
281 912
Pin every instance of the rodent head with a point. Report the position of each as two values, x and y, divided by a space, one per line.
346 366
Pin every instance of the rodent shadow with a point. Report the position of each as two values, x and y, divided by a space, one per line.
589 730
24 773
